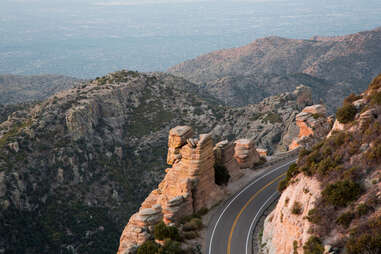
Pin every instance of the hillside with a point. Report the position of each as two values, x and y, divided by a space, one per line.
7 110
76 166
18 88
331 197
334 67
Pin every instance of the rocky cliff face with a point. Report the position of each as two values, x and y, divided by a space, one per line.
332 202
273 65
286 224
187 187
91 154
311 126
190 185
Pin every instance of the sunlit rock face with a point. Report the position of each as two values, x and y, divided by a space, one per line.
245 153
187 187
282 227
312 125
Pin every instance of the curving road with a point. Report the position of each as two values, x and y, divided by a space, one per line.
230 229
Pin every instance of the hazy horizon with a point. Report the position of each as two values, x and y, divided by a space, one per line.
85 38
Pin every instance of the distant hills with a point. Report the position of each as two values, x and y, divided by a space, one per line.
18 88
333 66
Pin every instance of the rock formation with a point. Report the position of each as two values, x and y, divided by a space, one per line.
224 154
245 153
262 152
312 125
187 187
282 227
178 137
331 198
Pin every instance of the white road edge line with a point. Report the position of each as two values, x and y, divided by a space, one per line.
252 223
231 201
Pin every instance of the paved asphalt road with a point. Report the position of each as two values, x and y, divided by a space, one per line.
230 229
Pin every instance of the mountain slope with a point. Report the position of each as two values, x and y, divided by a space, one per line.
76 166
332 195
343 64
18 88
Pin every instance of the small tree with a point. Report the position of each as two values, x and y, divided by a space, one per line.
160 231
346 113
148 247
313 246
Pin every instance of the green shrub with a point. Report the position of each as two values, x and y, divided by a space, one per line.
272 117
282 185
296 208
148 247
363 209
346 113
221 175
291 172
171 247
345 219
317 115
313 246
366 238
162 232
351 98
374 154
173 233
376 99
295 245
341 193
314 216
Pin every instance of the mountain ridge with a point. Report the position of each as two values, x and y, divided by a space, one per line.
347 64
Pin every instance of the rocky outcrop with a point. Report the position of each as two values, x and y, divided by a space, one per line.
262 152
284 225
187 187
224 154
312 125
330 198
178 137
245 153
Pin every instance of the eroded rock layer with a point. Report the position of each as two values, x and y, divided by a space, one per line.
187 187
312 125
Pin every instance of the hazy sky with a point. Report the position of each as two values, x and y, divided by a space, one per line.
88 38
136 2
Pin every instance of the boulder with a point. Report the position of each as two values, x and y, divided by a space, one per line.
245 153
